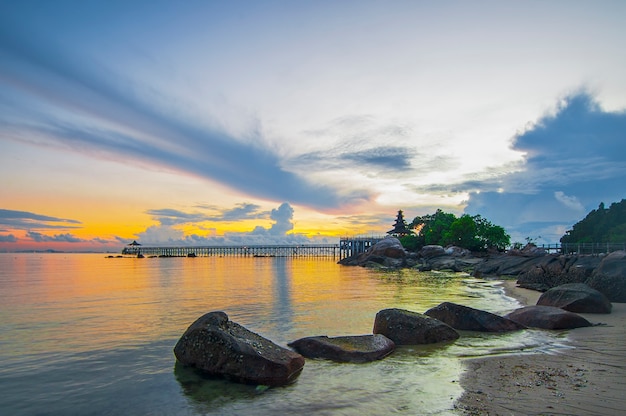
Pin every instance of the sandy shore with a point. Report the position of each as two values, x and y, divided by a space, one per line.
589 379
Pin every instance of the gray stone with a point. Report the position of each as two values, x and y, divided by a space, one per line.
224 348
410 328
576 297
547 317
352 349
432 251
469 319
610 276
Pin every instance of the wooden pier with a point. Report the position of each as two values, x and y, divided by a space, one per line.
347 247
323 250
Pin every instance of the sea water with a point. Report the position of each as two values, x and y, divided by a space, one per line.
83 334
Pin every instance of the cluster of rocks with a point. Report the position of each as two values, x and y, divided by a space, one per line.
220 347
533 267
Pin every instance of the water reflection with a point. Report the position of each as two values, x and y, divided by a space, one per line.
282 309
210 393
66 315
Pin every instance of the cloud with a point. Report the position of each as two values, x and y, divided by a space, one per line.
168 216
23 220
9 238
57 97
58 238
356 143
569 201
575 159
279 232
242 211
282 217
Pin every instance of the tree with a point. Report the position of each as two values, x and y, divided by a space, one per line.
462 233
602 225
491 236
473 233
433 227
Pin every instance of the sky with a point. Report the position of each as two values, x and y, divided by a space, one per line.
294 122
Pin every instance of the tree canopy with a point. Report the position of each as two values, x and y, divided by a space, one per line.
602 225
474 233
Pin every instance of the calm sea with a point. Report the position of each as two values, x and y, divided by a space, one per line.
82 334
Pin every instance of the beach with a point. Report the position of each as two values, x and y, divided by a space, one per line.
587 379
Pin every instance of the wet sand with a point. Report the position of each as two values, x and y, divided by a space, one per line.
588 379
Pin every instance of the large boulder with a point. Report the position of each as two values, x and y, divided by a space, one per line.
456 251
576 297
346 349
469 319
409 328
388 253
610 276
432 251
389 247
224 348
547 317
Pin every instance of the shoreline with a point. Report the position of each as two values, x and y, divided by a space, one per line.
587 379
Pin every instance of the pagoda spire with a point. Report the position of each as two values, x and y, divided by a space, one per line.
400 227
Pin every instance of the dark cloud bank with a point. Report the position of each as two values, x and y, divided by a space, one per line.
576 158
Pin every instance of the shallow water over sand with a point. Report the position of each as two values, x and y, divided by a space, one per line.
85 334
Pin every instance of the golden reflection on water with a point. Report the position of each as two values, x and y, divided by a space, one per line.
85 301
116 320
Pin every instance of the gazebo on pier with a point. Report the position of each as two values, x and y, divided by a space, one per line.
400 227
132 248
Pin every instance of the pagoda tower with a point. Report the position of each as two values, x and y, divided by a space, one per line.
400 227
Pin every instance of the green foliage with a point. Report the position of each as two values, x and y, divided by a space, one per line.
601 225
473 233
412 242
435 226
462 233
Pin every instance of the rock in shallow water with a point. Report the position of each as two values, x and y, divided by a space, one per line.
224 348
469 319
352 349
410 328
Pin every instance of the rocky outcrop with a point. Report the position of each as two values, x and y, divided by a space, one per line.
610 276
547 317
224 348
469 319
532 266
346 349
388 252
552 271
410 328
507 265
576 297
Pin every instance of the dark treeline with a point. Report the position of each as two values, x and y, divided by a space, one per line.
602 225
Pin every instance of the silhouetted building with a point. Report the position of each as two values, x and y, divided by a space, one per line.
400 227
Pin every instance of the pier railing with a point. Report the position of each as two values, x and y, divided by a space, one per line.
348 246
320 250
582 248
